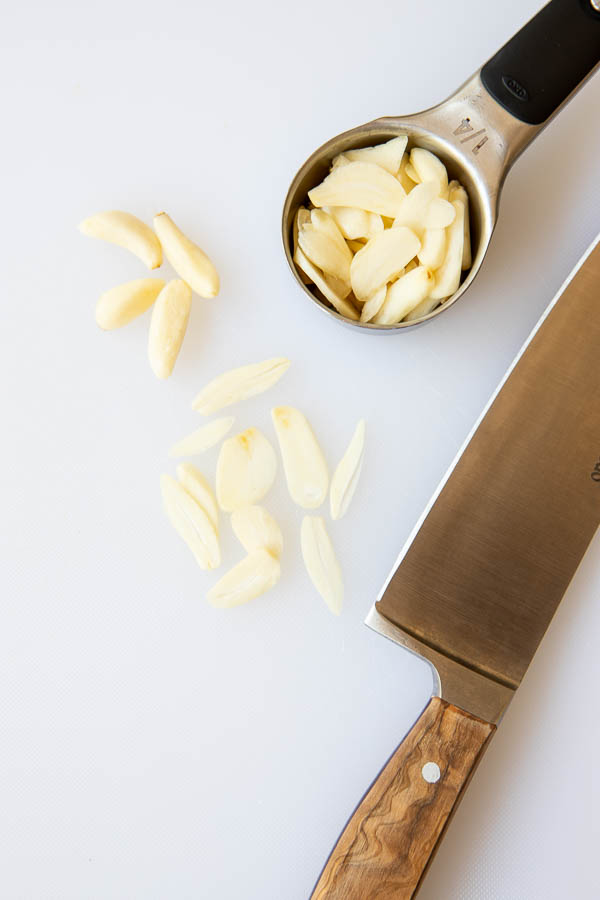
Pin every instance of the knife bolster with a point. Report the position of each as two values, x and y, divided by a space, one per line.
393 834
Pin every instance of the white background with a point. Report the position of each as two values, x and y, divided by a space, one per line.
153 747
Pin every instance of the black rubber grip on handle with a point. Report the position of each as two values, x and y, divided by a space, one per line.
547 59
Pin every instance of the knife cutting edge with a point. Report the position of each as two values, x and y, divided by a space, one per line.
476 586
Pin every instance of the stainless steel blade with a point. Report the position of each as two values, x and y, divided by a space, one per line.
488 563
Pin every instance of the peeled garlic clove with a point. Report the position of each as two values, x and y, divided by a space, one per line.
457 193
411 172
125 230
168 326
373 304
325 252
439 214
404 295
301 218
239 384
364 185
339 160
303 461
189 261
413 211
123 303
203 438
337 300
406 182
191 523
382 260
429 168
345 478
423 309
388 155
324 221
254 575
447 277
321 562
198 487
246 469
353 223
433 247
256 529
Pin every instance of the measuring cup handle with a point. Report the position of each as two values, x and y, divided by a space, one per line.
533 74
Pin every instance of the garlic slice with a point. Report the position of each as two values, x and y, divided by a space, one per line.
433 248
361 184
423 209
256 529
189 261
254 575
447 277
404 295
239 384
382 260
355 223
127 231
374 304
423 309
246 469
345 478
339 303
191 523
303 461
124 303
388 155
198 487
301 218
429 168
406 182
203 438
168 326
457 193
410 172
325 252
321 562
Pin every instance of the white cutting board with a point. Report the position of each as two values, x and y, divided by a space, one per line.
153 747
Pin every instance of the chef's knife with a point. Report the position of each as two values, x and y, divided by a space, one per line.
477 584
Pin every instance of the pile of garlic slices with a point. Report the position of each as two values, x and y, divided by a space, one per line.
172 301
387 236
246 470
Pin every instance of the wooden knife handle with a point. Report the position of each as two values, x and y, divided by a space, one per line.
392 836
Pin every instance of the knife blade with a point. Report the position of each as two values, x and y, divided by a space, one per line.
477 583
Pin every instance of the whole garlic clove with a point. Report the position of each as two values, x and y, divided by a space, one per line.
124 303
191 523
203 438
447 277
433 248
324 284
168 325
246 470
458 194
361 184
304 465
430 168
382 260
256 529
239 384
404 295
374 304
127 231
321 562
325 252
250 578
189 261
388 155
345 478
198 487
